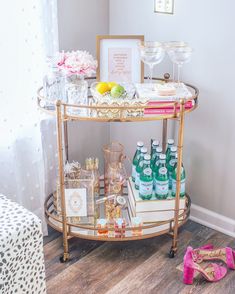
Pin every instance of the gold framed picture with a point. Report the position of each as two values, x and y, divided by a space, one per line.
164 6
119 58
79 201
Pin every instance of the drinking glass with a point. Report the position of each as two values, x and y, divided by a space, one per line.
169 47
182 55
151 53
77 93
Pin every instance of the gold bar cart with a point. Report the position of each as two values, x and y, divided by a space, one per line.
63 115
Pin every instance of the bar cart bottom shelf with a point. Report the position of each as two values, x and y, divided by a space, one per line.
91 232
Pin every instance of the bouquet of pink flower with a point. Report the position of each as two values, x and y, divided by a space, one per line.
77 63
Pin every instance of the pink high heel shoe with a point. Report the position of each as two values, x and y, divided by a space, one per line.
227 255
212 272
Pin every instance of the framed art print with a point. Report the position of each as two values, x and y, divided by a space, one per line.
76 202
119 59
79 201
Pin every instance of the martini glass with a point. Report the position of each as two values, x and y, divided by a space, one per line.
169 46
151 53
181 55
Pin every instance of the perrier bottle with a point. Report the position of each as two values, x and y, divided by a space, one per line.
139 167
161 179
171 163
170 143
136 159
156 163
154 146
182 180
146 180
153 143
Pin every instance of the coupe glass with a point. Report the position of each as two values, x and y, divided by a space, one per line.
180 56
151 53
169 47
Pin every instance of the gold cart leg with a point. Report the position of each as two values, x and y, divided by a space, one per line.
164 135
178 179
66 141
65 256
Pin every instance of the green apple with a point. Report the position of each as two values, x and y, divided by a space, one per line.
117 91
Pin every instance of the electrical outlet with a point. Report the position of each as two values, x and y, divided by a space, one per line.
164 6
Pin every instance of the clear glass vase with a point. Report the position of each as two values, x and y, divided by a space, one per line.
77 94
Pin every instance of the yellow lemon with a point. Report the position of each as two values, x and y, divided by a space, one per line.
111 85
102 87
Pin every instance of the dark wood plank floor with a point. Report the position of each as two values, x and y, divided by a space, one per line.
131 267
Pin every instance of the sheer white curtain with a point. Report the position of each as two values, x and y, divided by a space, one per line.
28 30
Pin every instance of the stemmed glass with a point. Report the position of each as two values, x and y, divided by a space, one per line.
182 55
169 46
151 53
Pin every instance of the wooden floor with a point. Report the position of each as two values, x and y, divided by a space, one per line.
131 267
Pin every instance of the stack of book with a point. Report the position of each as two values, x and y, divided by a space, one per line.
147 90
153 210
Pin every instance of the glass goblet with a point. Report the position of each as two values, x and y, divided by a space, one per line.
169 47
180 56
151 53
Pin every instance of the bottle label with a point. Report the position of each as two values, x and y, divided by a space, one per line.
161 187
147 171
162 171
172 162
133 174
182 187
137 179
157 162
141 163
146 188
182 170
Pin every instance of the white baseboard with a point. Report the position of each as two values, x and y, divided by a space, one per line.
213 220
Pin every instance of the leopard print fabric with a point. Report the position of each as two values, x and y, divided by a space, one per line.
22 267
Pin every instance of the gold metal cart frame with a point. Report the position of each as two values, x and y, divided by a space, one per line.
63 115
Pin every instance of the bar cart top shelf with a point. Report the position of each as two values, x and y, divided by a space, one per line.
117 113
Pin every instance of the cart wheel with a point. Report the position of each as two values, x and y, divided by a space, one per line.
64 258
171 253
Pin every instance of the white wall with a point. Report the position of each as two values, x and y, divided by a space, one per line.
209 135
79 22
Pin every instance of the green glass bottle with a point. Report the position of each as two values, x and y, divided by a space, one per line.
170 143
153 140
170 164
146 180
182 180
161 179
156 163
139 167
135 160
154 146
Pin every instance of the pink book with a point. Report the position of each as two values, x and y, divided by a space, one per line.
162 110
187 105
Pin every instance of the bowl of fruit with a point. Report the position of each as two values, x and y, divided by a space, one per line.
112 94
112 90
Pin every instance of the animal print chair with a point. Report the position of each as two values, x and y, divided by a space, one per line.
22 267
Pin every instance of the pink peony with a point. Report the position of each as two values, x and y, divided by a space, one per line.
77 62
